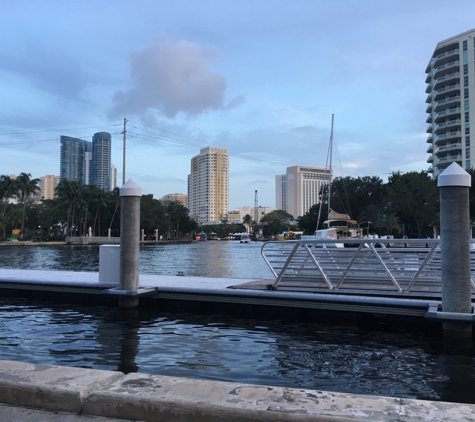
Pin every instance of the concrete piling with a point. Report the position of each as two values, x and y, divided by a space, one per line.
454 184
130 195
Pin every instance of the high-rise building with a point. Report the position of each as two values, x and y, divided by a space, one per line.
181 198
451 103
47 185
72 159
113 177
208 185
88 166
299 189
101 160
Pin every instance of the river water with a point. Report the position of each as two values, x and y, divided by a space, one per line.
378 358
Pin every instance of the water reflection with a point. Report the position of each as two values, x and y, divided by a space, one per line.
206 259
411 363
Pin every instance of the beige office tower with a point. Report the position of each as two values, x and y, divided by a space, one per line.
47 185
181 198
451 103
208 185
298 189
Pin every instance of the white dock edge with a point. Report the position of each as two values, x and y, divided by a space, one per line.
143 397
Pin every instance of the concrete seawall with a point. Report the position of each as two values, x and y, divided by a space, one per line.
143 397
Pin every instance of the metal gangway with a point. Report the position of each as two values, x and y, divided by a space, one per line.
388 267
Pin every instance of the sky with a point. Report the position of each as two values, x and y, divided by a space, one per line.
259 77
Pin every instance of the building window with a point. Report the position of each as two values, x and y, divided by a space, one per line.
465 81
467 141
466 105
465 93
468 166
467 153
467 129
465 69
467 116
464 44
465 57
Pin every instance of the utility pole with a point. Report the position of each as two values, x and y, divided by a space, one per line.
123 162
256 213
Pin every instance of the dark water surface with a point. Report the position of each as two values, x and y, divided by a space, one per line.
383 359
207 259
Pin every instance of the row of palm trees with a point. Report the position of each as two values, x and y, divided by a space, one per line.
84 205
22 188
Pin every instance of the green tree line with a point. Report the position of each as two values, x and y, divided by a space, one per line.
408 204
80 210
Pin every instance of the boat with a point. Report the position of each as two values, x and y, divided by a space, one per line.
337 225
240 236
245 238
201 236
344 227
290 235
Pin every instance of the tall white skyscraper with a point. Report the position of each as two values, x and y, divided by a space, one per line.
451 103
298 189
208 185
113 177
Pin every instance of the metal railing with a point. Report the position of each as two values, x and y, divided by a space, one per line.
396 266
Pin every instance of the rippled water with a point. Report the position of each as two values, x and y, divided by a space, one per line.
400 361
208 259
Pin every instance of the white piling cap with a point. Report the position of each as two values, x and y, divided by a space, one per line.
454 175
130 188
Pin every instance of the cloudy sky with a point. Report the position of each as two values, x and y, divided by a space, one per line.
260 77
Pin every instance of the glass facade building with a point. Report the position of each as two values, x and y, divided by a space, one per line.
101 160
87 162
72 158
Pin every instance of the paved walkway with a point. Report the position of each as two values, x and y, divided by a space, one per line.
22 414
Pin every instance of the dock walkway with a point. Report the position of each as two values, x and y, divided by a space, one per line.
221 291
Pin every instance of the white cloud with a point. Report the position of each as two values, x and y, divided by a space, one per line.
171 77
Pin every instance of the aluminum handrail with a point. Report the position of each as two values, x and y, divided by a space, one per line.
398 265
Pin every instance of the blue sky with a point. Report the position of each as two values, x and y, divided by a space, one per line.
261 78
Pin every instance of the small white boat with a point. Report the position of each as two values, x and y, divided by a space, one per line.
245 238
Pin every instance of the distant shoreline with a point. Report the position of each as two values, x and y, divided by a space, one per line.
64 243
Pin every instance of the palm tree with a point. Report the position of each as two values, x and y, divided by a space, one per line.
69 194
392 223
26 187
90 195
247 221
101 202
115 199
8 189
373 215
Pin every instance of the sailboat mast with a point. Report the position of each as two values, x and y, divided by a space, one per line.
330 152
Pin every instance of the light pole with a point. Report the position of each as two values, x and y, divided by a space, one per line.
41 234
369 222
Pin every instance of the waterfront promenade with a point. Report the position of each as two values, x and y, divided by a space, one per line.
142 397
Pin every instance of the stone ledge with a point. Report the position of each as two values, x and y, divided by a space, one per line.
158 398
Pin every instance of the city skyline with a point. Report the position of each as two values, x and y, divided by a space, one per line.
88 162
259 78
